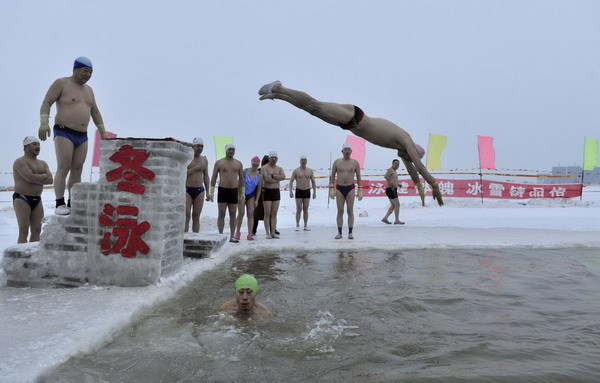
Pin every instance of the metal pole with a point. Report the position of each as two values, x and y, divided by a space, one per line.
582 170
480 174
328 175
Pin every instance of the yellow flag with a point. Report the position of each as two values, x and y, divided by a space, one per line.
436 146
590 154
220 142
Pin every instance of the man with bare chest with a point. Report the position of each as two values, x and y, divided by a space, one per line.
391 177
196 183
271 175
30 176
377 131
75 105
345 169
231 189
305 178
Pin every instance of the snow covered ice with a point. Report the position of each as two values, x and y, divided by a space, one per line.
42 327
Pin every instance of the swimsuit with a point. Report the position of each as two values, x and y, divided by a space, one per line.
76 137
345 189
392 193
302 193
251 184
353 123
31 200
271 195
251 195
193 191
227 195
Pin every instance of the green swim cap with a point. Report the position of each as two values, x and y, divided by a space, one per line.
247 281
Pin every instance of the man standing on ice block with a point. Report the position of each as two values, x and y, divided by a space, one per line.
75 104
377 131
30 176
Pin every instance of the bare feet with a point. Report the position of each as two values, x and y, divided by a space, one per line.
421 191
437 194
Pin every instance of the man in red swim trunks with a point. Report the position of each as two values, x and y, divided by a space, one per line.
377 131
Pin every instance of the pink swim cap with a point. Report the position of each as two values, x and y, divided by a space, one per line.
420 150
255 158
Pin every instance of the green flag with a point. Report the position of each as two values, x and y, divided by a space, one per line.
220 142
590 154
436 146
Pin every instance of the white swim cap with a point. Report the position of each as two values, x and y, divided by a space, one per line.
29 140
273 154
346 146
303 157
198 141
229 146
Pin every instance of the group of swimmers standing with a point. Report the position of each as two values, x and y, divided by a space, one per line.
253 193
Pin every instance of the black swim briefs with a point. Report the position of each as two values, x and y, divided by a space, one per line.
302 193
31 200
271 194
194 192
227 195
353 123
345 189
392 193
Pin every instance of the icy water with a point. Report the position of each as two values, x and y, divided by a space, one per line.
452 315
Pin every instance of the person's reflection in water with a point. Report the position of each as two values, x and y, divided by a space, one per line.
350 261
265 266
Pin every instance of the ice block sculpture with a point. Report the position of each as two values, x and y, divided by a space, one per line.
127 228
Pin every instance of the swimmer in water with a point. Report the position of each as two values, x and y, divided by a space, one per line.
244 303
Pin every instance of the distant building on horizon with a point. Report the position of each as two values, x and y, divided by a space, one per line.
589 176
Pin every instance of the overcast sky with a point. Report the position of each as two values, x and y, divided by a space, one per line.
524 72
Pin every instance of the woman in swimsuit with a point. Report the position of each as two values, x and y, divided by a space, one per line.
253 187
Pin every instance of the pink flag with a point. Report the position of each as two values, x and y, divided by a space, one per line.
96 155
487 153
358 149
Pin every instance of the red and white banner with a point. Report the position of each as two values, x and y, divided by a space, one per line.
454 188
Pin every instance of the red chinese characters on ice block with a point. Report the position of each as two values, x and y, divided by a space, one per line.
127 230
131 170
123 218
